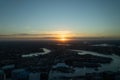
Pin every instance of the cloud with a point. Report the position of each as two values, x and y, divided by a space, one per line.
25 34
28 36
47 36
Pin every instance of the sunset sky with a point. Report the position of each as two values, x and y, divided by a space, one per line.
55 18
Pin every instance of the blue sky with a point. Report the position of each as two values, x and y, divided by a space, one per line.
87 17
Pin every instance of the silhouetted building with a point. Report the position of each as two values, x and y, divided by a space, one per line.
7 70
20 74
34 76
2 75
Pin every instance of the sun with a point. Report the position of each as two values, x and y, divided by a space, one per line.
63 39
62 36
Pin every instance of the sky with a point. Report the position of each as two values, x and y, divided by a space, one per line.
50 18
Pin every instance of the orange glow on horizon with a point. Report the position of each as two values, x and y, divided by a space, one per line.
63 39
